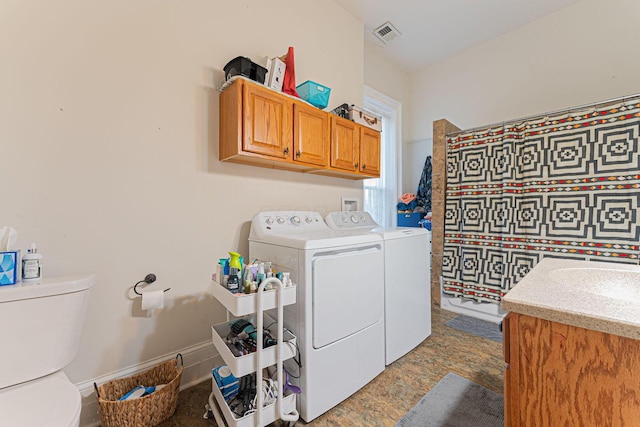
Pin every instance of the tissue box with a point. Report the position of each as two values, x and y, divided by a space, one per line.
9 267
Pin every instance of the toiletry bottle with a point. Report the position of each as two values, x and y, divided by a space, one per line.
286 279
247 281
233 284
260 276
235 267
32 265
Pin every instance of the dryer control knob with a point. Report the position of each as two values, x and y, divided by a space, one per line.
308 220
362 218
269 220
295 220
345 219
354 219
280 220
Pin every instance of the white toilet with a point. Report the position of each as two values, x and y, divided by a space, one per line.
40 326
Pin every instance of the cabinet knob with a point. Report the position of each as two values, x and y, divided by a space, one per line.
364 166
298 153
286 150
356 165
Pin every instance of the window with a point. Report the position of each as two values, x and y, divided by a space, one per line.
380 195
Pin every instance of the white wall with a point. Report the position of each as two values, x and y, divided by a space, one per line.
109 142
385 77
584 53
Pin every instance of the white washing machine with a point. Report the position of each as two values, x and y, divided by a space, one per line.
338 317
407 274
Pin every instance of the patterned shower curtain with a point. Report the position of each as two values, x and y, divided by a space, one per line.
566 186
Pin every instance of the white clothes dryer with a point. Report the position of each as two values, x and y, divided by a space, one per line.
407 277
338 316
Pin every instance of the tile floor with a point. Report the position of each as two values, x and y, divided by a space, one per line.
397 389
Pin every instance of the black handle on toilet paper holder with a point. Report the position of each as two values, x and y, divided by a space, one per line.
149 278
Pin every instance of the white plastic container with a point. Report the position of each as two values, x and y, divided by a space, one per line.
32 265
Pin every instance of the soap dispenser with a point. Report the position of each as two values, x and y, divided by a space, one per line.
32 265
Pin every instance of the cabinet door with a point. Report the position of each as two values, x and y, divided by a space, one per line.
345 144
563 375
310 135
267 122
369 151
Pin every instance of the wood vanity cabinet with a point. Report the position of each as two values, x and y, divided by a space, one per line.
562 375
262 127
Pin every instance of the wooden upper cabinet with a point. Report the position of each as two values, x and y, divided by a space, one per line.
261 127
267 122
310 135
345 144
369 151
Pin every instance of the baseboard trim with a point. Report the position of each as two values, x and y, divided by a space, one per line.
198 359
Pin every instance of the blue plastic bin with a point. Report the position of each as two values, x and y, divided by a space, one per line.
409 219
314 93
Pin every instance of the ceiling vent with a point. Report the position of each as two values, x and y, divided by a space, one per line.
386 32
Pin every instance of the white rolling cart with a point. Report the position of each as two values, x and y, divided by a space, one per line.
250 305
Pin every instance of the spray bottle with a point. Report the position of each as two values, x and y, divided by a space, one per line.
235 270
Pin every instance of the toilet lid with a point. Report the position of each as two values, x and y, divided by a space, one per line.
51 401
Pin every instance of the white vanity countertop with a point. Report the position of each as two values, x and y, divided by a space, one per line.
601 296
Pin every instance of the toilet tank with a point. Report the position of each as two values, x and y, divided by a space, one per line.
40 326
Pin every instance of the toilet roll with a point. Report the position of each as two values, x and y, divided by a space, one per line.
152 299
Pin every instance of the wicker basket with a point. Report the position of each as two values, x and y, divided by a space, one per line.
145 411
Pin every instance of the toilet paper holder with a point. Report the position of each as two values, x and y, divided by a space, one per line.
149 278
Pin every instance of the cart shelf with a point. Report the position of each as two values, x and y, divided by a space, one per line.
269 412
243 304
243 365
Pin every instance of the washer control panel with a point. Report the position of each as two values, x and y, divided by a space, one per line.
281 222
350 219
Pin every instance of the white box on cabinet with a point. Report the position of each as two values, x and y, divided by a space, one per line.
275 76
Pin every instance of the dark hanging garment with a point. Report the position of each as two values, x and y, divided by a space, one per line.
423 196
